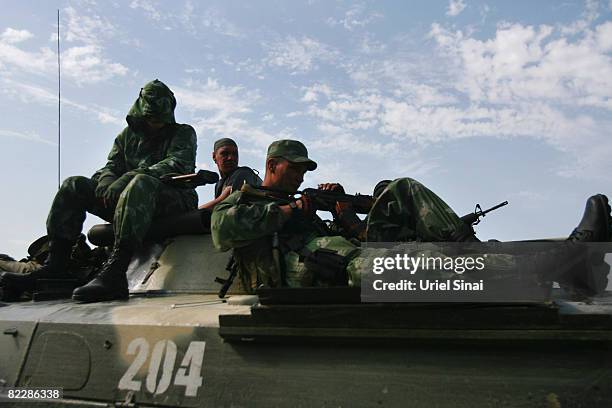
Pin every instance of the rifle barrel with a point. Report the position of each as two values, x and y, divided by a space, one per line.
495 207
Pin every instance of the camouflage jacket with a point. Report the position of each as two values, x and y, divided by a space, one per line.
247 224
172 151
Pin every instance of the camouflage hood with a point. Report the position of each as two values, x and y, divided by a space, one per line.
156 100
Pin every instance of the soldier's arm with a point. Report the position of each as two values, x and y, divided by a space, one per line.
351 226
235 224
180 157
115 164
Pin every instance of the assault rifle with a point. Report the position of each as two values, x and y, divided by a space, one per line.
321 199
326 201
192 180
232 268
474 218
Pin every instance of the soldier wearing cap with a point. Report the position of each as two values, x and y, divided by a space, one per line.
277 241
225 156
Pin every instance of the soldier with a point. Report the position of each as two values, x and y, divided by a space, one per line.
279 243
127 191
225 156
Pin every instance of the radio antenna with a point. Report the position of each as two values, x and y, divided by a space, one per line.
59 104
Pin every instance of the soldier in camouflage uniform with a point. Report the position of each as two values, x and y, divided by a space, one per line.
225 156
278 242
126 191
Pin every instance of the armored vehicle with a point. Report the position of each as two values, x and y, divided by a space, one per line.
175 343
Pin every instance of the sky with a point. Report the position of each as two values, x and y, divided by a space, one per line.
482 101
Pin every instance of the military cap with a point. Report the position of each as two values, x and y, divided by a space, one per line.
291 150
226 141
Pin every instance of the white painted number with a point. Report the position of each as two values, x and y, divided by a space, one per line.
126 382
187 375
192 361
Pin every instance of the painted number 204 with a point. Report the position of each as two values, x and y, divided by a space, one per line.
187 375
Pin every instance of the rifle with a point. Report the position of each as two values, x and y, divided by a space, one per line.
192 180
232 268
326 200
474 217
321 199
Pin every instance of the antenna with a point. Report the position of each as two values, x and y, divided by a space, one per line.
59 104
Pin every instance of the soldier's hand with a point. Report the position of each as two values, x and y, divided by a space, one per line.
103 185
227 190
305 204
112 193
335 187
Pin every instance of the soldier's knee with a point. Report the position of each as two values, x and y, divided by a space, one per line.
75 183
404 181
143 181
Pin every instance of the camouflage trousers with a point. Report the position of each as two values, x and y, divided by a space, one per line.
405 211
142 200
408 211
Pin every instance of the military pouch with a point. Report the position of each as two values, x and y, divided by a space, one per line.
328 266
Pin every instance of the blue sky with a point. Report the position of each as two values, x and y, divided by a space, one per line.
482 101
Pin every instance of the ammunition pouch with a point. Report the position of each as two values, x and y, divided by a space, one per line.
328 266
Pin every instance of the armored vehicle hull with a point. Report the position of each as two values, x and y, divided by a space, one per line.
175 343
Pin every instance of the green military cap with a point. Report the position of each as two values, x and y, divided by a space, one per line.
226 141
291 150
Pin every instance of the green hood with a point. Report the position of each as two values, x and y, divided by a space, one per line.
155 100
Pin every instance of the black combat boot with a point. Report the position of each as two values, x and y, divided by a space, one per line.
55 267
111 282
595 223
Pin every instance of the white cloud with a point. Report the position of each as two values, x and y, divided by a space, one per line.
524 81
523 63
83 64
88 29
12 36
356 16
28 93
455 7
214 20
370 46
87 65
189 18
33 137
147 7
589 15
36 62
298 55
220 110
216 98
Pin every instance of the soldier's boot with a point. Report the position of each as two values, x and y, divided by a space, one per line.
595 223
111 282
55 267
588 275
